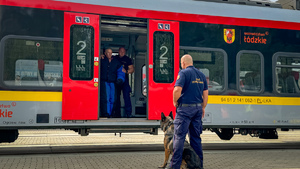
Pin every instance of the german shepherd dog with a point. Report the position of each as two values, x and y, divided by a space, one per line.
190 160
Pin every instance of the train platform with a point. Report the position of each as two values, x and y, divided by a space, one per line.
61 149
226 159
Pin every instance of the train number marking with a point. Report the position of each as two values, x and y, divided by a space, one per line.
83 46
81 55
163 60
166 51
246 100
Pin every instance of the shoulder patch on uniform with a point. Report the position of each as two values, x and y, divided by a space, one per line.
178 77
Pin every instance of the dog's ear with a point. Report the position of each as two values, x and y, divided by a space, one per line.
171 115
163 117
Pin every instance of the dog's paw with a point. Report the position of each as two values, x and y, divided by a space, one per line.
163 166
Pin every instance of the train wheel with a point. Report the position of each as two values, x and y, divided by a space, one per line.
224 133
8 136
269 134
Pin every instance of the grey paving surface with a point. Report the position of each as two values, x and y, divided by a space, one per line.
35 140
265 159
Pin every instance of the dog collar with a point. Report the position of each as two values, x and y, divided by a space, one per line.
169 124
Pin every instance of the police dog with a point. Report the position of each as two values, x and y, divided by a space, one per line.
190 160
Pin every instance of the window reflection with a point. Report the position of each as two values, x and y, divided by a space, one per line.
211 63
33 62
250 72
287 74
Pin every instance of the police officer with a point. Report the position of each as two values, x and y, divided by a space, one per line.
190 97
111 75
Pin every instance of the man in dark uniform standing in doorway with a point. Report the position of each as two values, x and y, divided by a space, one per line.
128 68
190 96
111 76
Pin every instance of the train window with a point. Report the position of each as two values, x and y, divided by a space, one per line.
163 57
81 52
212 63
287 71
249 71
31 62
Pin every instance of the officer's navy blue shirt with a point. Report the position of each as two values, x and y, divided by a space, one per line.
109 70
126 61
193 82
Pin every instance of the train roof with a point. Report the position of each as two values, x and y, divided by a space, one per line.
202 8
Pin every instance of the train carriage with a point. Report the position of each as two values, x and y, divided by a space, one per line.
51 50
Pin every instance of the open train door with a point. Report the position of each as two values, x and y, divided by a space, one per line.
80 67
163 66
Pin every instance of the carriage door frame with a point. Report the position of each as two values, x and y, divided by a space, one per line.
163 66
80 99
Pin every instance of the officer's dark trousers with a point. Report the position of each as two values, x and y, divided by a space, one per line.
126 95
188 119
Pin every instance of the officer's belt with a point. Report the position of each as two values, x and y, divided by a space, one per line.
190 105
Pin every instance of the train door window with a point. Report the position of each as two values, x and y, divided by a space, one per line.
81 52
32 62
163 57
212 63
250 71
287 71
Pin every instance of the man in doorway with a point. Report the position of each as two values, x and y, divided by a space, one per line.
128 68
190 96
111 75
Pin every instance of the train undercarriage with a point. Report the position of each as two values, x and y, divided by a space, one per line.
228 133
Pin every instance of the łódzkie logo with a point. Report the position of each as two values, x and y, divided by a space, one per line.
256 37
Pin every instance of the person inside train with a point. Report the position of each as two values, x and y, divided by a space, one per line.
128 68
111 75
